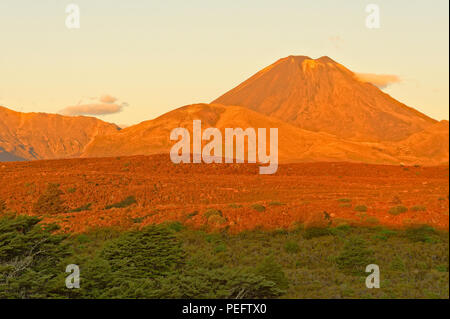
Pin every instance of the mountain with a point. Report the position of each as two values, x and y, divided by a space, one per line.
431 145
294 144
28 136
322 95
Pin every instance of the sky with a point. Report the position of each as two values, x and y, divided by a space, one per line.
138 59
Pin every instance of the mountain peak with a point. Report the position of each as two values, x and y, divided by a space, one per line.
322 95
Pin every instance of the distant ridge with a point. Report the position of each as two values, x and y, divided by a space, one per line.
46 136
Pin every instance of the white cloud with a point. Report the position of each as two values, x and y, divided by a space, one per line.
103 105
380 80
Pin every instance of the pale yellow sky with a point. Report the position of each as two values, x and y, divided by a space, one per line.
154 56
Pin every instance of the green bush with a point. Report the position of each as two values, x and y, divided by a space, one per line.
130 200
258 207
354 257
212 212
2 206
424 233
291 247
273 271
150 252
81 208
276 203
71 190
361 208
220 248
313 232
30 258
397 210
418 208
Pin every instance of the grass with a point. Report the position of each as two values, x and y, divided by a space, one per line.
130 200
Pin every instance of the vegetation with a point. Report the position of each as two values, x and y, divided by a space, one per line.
259 208
2 206
173 261
418 208
81 208
397 210
130 200
361 208
50 202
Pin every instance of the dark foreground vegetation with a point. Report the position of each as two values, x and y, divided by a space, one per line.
171 261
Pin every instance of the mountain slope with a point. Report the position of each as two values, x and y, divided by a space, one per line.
431 145
28 136
294 145
321 95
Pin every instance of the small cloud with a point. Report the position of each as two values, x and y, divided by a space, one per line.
91 109
107 99
379 80
105 104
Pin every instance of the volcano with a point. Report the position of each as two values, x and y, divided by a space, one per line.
322 95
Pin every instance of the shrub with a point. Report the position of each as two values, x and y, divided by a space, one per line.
130 200
138 220
344 200
224 282
273 271
2 206
174 226
291 247
217 220
419 208
50 201
354 257
361 208
30 258
81 208
190 215
397 210
316 232
71 190
424 233
146 253
259 208
384 234
212 212
235 205
220 248
397 264
276 203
